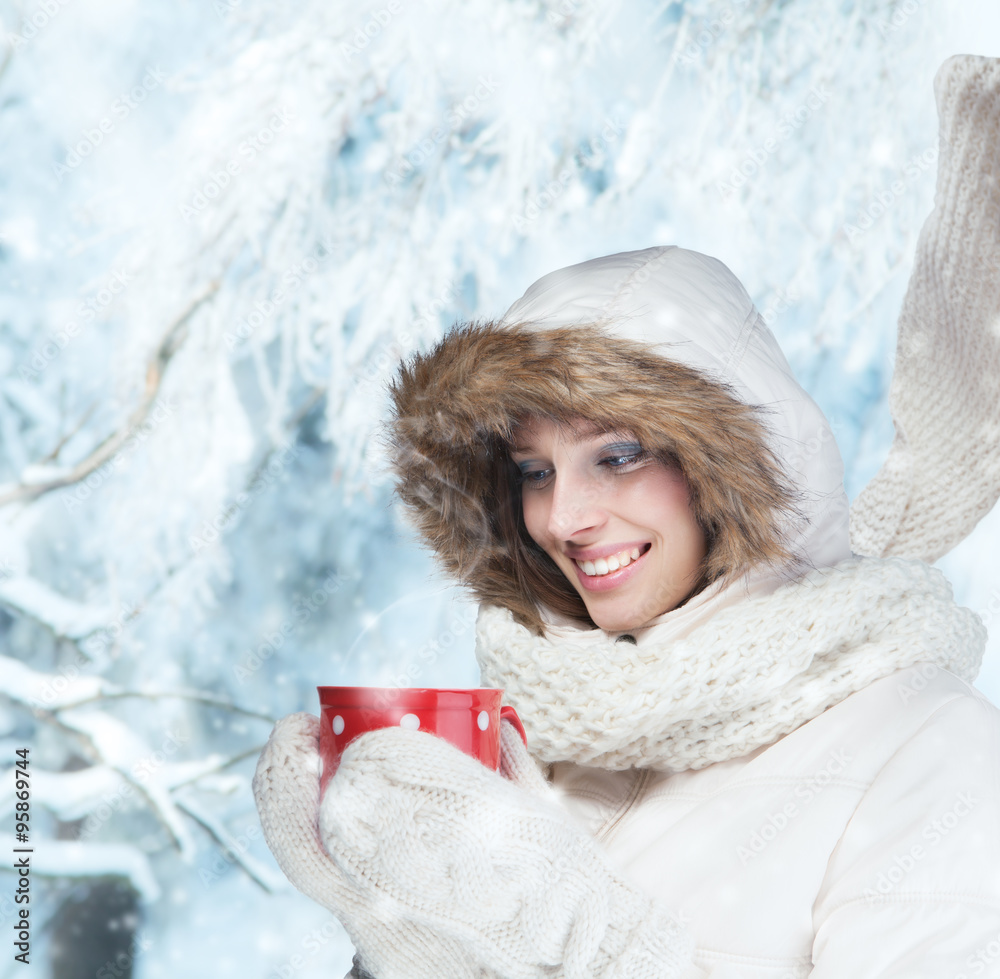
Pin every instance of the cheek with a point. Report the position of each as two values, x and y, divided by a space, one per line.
690 534
535 516
693 539
667 500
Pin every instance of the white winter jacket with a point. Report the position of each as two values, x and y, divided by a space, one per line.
863 845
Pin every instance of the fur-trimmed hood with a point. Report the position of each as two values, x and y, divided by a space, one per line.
664 343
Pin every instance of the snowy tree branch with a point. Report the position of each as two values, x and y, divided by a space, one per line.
42 483
231 849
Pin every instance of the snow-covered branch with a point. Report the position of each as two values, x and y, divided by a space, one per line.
44 477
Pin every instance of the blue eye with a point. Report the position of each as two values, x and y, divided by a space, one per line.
623 455
617 457
533 478
616 462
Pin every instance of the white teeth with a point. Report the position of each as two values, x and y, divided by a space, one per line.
613 562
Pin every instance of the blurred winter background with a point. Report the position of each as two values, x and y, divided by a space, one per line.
221 224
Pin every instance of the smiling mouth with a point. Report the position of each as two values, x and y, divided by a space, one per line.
613 562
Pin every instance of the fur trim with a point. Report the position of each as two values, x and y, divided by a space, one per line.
455 408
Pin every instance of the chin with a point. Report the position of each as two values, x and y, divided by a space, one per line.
615 622
625 620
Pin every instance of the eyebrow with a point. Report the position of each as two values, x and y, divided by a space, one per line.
579 437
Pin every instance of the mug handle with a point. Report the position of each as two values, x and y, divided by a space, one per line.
507 713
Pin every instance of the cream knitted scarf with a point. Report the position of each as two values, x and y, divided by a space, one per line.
755 671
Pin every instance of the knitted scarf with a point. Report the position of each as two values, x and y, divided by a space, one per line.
753 672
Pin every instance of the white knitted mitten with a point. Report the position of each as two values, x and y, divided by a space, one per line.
439 868
942 474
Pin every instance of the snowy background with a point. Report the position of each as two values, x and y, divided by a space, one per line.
221 224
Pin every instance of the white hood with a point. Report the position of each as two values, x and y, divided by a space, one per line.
692 310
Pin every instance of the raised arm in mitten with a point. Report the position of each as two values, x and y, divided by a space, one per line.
943 471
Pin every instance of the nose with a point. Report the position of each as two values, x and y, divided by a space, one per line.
575 506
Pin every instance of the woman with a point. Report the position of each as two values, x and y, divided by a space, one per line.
753 753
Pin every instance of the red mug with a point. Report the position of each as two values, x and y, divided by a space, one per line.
469 719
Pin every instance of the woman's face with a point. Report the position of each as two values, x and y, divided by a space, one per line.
617 522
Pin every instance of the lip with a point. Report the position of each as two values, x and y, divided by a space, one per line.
593 553
612 579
